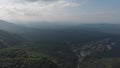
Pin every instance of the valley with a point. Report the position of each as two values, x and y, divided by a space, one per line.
69 47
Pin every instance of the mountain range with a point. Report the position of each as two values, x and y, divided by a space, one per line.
66 46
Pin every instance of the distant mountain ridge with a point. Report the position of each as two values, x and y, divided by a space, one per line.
7 26
10 38
64 33
11 27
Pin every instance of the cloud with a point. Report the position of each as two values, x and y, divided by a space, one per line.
53 11
58 4
34 9
39 0
31 1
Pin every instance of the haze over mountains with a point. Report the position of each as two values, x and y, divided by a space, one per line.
60 32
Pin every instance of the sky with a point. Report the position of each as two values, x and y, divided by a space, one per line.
64 11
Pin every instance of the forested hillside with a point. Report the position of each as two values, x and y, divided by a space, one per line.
10 38
19 58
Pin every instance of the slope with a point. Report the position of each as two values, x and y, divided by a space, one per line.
20 58
10 38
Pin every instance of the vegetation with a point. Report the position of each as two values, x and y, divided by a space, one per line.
101 63
19 58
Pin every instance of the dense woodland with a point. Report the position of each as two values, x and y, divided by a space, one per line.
77 46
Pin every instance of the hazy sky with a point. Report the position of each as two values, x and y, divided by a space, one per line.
60 10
